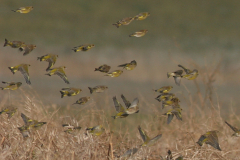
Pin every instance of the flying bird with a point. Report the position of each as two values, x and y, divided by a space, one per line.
27 48
103 68
13 44
177 75
96 131
124 21
11 85
84 47
23 68
146 140
139 33
97 89
50 58
115 73
142 16
82 100
70 91
129 66
236 130
60 72
210 138
24 9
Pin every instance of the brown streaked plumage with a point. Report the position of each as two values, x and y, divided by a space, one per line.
97 89
82 100
103 68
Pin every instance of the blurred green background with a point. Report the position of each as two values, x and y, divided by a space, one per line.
197 34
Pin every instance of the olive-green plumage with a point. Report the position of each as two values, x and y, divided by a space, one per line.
139 33
146 140
164 89
24 130
27 48
11 85
124 21
129 66
23 68
60 72
96 131
121 111
142 16
24 9
50 58
115 73
97 89
70 92
13 44
82 100
174 102
177 75
10 111
210 138
165 97
175 111
70 128
103 68
189 74
236 130
84 47
33 124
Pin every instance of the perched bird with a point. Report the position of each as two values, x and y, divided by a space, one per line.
175 111
32 123
96 131
98 89
84 47
82 100
27 48
23 68
129 66
131 107
70 92
139 33
103 68
164 89
11 85
121 111
147 141
13 44
24 9
142 16
236 130
70 128
129 153
50 58
210 138
60 72
10 111
165 97
124 21
115 73
177 75
190 75
24 130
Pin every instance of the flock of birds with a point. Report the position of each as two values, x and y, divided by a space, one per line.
167 99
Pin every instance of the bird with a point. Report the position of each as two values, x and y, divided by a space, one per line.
139 33
103 68
176 111
174 102
97 89
129 66
114 73
177 75
96 131
165 96
70 91
10 111
13 44
84 47
124 21
11 85
60 72
24 130
164 89
32 123
142 16
146 140
71 128
82 100
131 107
236 130
50 58
23 68
121 111
24 9
210 138
129 153
27 48
190 75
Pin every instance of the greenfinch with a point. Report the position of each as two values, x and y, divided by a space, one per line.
23 68
60 72
96 131
50 58
13 44
174 102
177 75
82 100
103 68
129 66
24 9
32 123
164 89
131 107
115 73
24 130
129 153
27 48
142 16
70 129
124 21
146 140
11 85
175 111
165 96
236 130
70 92
139 33
121 111
10 111
190 75
210 138
97 89
84 47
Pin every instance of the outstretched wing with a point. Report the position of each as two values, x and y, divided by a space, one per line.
233 128
126 102
62 74
24 70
